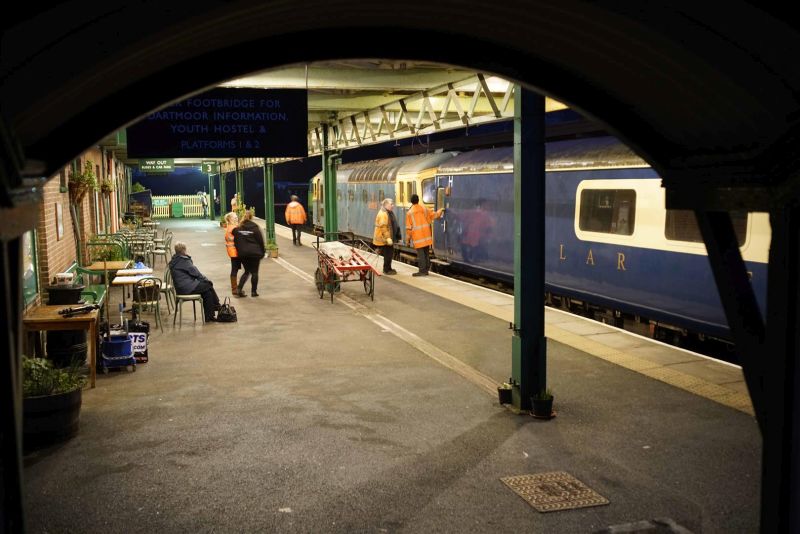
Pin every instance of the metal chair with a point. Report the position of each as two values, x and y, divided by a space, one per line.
147 295
180 299
168 289
163 251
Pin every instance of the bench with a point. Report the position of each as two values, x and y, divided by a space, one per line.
92 293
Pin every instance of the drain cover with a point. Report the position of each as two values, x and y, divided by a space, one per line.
550 492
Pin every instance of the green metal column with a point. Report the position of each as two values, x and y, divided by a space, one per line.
239 182
329 169
223 199
528 346
210 197
269 201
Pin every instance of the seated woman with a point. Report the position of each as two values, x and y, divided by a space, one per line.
188 280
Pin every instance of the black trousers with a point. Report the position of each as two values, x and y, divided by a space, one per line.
424 259
388 252
236 264
210 299
250 270
296 233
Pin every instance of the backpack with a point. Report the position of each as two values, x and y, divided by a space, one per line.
226 312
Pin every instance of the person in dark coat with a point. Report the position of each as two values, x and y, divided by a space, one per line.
250 249
188 280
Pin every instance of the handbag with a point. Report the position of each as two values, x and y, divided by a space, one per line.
226 312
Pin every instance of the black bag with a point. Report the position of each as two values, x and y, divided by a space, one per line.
226 312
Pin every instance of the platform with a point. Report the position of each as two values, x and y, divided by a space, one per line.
361 416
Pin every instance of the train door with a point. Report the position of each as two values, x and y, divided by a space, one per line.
436 191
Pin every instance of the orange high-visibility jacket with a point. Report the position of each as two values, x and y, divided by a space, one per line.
295 213
418 225
229 245
382 230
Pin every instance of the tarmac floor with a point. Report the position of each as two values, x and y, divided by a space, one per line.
359 416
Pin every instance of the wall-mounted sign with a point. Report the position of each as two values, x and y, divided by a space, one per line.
210 167
157 165
226 122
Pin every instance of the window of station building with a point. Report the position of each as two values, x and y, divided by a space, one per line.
428 191
681 225
610 211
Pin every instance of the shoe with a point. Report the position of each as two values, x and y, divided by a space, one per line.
420 274
240 293
211 319
390 271
253 294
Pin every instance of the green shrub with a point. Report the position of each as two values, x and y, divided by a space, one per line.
40 378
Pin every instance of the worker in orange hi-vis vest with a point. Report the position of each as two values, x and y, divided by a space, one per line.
295 217
231 222
418 232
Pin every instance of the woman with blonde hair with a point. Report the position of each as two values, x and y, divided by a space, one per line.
232 222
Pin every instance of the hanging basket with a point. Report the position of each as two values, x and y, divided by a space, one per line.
77 191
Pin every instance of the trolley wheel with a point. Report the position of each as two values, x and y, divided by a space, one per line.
320 281
105 370
134 367
369 284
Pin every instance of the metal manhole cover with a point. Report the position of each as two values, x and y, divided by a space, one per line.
550 492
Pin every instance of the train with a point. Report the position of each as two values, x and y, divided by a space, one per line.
613 251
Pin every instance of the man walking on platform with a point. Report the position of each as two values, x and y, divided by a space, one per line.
295 217
418 232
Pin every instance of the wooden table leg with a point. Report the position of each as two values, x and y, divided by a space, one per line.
92 346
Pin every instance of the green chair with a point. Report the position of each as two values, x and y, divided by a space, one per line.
147 296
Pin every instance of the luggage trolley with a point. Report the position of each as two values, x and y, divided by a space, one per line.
339 262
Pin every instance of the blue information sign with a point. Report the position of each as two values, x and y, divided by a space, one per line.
226 122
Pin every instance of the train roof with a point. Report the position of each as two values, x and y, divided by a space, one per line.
574 154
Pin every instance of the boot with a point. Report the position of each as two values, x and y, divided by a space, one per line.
240 289
234 285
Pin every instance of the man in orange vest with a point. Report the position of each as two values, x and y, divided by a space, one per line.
418 232
295 217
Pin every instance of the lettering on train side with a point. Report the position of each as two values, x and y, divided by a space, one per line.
620 261
561 253
590 258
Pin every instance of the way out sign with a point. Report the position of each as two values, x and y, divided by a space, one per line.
157 165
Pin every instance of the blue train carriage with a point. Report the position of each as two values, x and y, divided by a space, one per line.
612 249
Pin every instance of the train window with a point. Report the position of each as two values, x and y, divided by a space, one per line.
611 211
409 192
339 194
380 195
401 193
428 191
364 196
351 195
681 225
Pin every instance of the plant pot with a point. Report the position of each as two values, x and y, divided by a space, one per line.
504 394
543 409
50 419
77 192
273 252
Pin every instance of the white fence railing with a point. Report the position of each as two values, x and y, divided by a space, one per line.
162 206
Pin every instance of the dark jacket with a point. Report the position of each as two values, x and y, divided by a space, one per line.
185 275
393 227
249 240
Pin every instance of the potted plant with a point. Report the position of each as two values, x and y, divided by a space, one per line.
543 404
51 402
272 249
81 182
